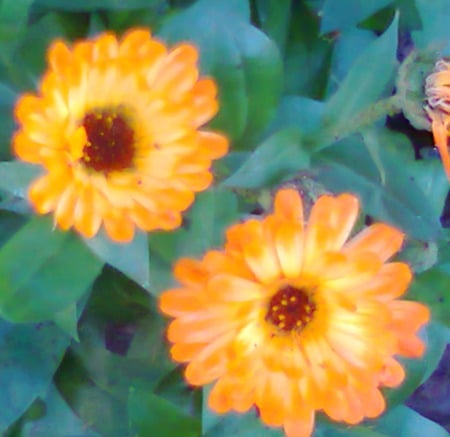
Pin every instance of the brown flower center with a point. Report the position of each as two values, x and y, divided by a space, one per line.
110 141
290 309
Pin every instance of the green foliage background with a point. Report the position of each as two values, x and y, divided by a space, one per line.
305 89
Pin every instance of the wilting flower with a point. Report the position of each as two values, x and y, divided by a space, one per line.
293 318
115 125
437 89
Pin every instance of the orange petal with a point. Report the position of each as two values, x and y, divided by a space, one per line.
179 301
330 223
66 205
300 425
45 192
393 373
289 205
190 272
391 281
119 228
288 241
59 57
213 144
178 72
228 288
439 127
379 238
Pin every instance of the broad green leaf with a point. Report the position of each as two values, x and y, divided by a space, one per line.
430 176
327 428
67 321
7 99
348 47
405 422
120 337
243 60
366 81
16 176
299 113
132 259
13 18
274 19
432 288
150 414
385 188
93 5
30 354
59 420
38 280
279 157
10 223
307 56
342 14
435 32
98 410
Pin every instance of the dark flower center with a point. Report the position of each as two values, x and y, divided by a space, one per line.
290 309
110 141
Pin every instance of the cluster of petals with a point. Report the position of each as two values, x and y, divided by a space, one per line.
116 126
331 351
437 88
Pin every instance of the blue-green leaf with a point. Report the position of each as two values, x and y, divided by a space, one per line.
279 157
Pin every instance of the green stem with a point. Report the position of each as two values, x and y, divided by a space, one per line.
330 134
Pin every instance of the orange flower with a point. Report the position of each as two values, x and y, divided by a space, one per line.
293 318
437 89
115 125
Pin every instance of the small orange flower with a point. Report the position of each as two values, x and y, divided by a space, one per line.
437 89
115 125
293 318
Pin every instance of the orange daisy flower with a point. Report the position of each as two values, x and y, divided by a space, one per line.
116 127
292 318
437 89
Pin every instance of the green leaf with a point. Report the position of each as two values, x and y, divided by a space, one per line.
307 55
67 321
152 415
93 5
245 63
30 354
16 176
347 13
132 259
297 112
13 18
59 420
385 188
98 410
274 19
432 288
348 47
434 32
405 422
7 99
366 81
279 157
43 271
430 176
327 428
